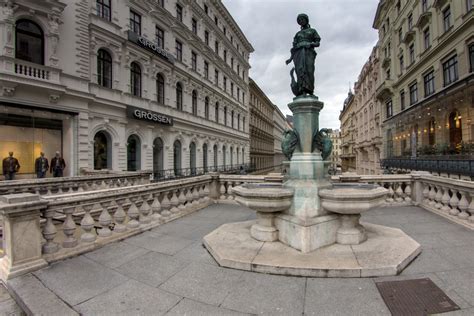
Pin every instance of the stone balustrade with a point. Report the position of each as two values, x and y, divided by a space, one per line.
53 186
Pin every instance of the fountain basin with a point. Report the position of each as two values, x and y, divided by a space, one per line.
350 200
266 199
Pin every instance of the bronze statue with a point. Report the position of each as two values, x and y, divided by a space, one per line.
303 56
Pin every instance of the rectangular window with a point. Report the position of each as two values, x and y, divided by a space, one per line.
135 23
225 55
179 13
216 77
402 100
413 93
447 18
103 9
216 20
225 84
412 53
216 47
402 63
398 6
179 51
429 83
471 56
194 61
206 37
388 74
410 21
450 70
206 70
427 38
225 30
389 107
238 94
400 36
160 37
232 89
206 9
469 5
424 6
194 26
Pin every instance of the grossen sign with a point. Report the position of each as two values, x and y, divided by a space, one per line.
150 116
149 45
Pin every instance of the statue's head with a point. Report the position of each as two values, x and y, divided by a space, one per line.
302 19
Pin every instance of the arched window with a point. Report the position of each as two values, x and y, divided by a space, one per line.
104 68
216 113
136 79
158 158
243 156
216 163
225 115
177 157
237 155
133 153
102 151
192 158
160 89
243 123
238 122
231 153
206 108
179 96
29 42
195 102
432 131
204 157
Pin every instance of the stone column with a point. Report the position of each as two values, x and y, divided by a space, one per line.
21 234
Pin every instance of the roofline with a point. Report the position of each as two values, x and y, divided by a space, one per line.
377 13
246 42
252 82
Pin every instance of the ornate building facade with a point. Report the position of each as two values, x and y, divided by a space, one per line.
124 85
368 127
427 80
279 126
262 140
348 132
335 157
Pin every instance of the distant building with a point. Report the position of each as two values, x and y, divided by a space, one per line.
335 157
280 125
289 120
347 117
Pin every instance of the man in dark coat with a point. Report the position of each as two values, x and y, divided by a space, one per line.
41 166
10 166
57 165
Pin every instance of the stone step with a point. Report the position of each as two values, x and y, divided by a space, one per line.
36 299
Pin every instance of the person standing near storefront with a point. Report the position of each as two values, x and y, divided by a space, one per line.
57 165
10 166
41 166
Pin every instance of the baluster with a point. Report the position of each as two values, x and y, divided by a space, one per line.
165 205
133 213
196 195
181 199
471 209
156 207
230 195
222 190
60 190
206 192
399 193
408 193
454 203
189 197
70 189
445 200
69 227
105 220
463 206
145 210
48 192
120 216
438 196
432 196
426 192
49 232
201 193
174 202
93 186
390 193
87 224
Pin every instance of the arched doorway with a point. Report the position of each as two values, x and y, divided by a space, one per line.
204 157
223 156
455 129
133 153
231 156
177 157
102 151
158 157
192 158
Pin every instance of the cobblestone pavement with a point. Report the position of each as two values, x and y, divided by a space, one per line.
167 271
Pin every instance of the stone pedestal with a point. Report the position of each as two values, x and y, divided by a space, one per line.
21 234
351 231
264 229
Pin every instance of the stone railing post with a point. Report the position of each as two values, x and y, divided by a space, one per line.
417 189
21 234
214 187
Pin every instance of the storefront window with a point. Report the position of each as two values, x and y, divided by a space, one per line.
177 157
133 153
192 158
158 156
29 42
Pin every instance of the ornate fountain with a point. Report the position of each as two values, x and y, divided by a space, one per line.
308 226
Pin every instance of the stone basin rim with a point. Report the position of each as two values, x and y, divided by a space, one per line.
350 193
263 191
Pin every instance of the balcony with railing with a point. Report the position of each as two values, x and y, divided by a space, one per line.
24 72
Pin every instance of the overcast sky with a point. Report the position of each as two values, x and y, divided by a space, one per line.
345 27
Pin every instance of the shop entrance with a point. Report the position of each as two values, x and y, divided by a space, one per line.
133 153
